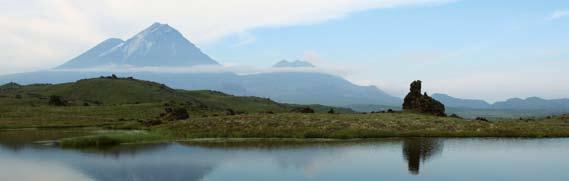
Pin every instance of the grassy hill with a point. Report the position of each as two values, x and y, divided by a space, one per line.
108 99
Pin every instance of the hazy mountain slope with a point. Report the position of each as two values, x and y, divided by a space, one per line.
533 103
92 58
158 45
449 101
309 88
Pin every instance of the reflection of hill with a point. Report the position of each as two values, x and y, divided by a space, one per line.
309 156
417 150
282 144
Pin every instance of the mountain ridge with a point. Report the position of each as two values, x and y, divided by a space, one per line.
530 103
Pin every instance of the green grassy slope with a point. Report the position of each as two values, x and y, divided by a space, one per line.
104 101
102 90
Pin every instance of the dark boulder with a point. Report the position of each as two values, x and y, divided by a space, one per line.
422 103
56 101
302 110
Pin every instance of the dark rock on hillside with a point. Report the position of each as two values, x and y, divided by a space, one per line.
174 114
302 110
57 101
422 103
481 119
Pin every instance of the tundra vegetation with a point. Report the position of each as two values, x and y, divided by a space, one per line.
155 112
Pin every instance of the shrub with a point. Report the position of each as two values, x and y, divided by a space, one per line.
174 114
57 101
229 112
331 111
482 119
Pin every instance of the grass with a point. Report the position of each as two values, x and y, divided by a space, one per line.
322 126
348 126
110 139
119 116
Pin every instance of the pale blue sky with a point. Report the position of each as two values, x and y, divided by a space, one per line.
467 48
443 44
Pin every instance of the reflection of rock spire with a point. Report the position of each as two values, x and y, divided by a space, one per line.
417 150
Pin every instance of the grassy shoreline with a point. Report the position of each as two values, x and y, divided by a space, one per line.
295 126
348 126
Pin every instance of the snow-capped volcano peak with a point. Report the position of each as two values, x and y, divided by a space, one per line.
156 29
157 45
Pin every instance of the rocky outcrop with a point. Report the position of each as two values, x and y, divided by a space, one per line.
422 103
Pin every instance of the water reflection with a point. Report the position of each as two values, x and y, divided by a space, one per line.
417 150
390 159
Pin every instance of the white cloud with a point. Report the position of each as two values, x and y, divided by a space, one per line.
245 38
44 33
558 14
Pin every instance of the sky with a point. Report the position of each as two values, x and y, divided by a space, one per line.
482 49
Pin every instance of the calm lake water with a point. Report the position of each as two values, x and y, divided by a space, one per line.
385 159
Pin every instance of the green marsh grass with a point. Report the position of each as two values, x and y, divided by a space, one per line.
111 139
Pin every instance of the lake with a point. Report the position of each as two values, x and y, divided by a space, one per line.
23 158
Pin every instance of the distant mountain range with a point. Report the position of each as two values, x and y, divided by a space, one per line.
162 46
531 103
449 101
